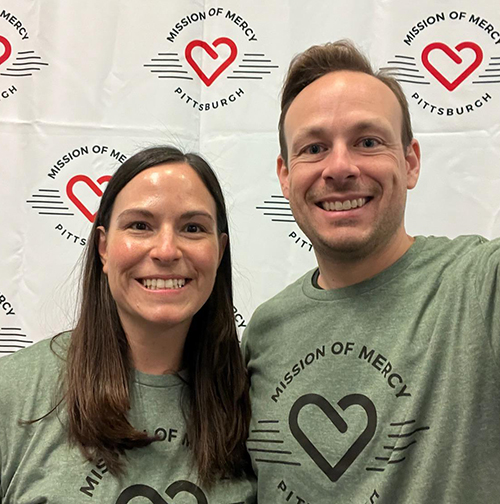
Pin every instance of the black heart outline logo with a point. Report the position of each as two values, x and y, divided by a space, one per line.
187 486
336 471
155 498
140 491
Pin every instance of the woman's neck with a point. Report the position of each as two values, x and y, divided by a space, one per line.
156 350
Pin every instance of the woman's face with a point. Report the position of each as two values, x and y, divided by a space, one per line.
162 249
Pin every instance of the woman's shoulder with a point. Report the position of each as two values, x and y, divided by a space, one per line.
43 354
32 372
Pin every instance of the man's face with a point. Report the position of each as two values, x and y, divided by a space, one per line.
347 172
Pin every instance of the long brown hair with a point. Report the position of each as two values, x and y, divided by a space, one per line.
97 371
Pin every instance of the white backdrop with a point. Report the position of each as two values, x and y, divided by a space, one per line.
83 85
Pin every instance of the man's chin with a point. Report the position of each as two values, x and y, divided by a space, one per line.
346 247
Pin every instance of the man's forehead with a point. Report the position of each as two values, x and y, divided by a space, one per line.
344 92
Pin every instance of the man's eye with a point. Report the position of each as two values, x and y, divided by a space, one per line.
369 142
313 149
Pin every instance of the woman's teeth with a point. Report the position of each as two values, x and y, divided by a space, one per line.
160 283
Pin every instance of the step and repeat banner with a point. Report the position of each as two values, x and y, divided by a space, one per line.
84 85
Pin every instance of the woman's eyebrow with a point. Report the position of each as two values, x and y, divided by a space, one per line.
197 213
142 212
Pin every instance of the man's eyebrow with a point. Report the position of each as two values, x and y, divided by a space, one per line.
308 132
369 125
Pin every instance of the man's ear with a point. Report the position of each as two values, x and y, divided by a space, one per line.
412 164
102 246
282 172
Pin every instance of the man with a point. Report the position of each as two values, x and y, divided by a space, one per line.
376 376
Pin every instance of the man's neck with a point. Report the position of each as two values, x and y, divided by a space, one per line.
342 271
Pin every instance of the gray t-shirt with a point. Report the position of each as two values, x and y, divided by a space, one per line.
387 391
38 466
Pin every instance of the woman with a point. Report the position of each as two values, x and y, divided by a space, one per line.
152 399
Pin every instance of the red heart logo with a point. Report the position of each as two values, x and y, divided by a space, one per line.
8 49
450 86
97 190
200 43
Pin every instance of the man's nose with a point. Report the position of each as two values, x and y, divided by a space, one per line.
166 246
339 164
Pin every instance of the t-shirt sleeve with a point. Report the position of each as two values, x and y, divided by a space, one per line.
3 420
244 347
487 287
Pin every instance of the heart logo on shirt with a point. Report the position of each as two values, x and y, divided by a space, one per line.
7 49
213 54
140 491
93 186
455 57
188 487
334 472
155 498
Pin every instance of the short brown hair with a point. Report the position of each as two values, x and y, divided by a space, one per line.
320 60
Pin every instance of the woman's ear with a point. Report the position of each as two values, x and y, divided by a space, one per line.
102 247
223 238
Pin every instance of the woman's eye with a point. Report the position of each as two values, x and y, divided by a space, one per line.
193 228
139 226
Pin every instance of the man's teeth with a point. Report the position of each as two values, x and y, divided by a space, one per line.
337 206
160 283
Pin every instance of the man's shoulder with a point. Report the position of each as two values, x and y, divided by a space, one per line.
459 245
282 299
464 249
276 308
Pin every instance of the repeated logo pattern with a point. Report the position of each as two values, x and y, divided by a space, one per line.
70 197
211 62
18 58
436 71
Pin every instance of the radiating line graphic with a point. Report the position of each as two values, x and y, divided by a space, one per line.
400 67
408 434
493 66
400 424
43 202
277 206
258 65
272 452
284 452
12 339
277 441
396 455
25 62
400 448
168 66
283 462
